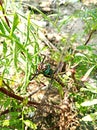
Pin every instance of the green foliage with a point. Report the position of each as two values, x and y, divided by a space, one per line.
30 124
89 16
86 68
20 55
15 53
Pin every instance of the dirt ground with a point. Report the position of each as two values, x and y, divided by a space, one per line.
58 11
65 9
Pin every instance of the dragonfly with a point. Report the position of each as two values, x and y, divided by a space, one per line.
45 68
47 71
50 73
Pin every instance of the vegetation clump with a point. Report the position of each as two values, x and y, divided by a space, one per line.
48 76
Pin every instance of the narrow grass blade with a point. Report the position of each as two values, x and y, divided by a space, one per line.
14 24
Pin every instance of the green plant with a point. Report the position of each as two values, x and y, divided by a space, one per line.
16 60
68 70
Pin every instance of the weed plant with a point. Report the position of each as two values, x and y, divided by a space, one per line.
21 53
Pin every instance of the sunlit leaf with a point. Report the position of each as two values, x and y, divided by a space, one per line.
93 90
80 55
1 81
89 103
5 25
30 124
25 101
90 117
2 28
9 122
15 23
4 48
6 122
92 86
85 77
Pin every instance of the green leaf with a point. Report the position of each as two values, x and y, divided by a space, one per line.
85 77
27 71
2 28
30 124
14 24
6 122
90 117
4 48
80 55
65 21
9 122
7 103
15 54
36 57
92 90
19 45
15 114
25 101
28 27
91 87
5 25
1 81
5 36
5 128
89 103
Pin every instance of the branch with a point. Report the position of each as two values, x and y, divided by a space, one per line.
3 11
4 112
35 104
7 86
89 37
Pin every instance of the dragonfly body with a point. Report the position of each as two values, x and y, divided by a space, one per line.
47 72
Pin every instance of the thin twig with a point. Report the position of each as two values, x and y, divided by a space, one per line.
3 11
34 92
89 37
7 86
4 112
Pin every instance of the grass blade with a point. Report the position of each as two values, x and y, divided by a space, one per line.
14 24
